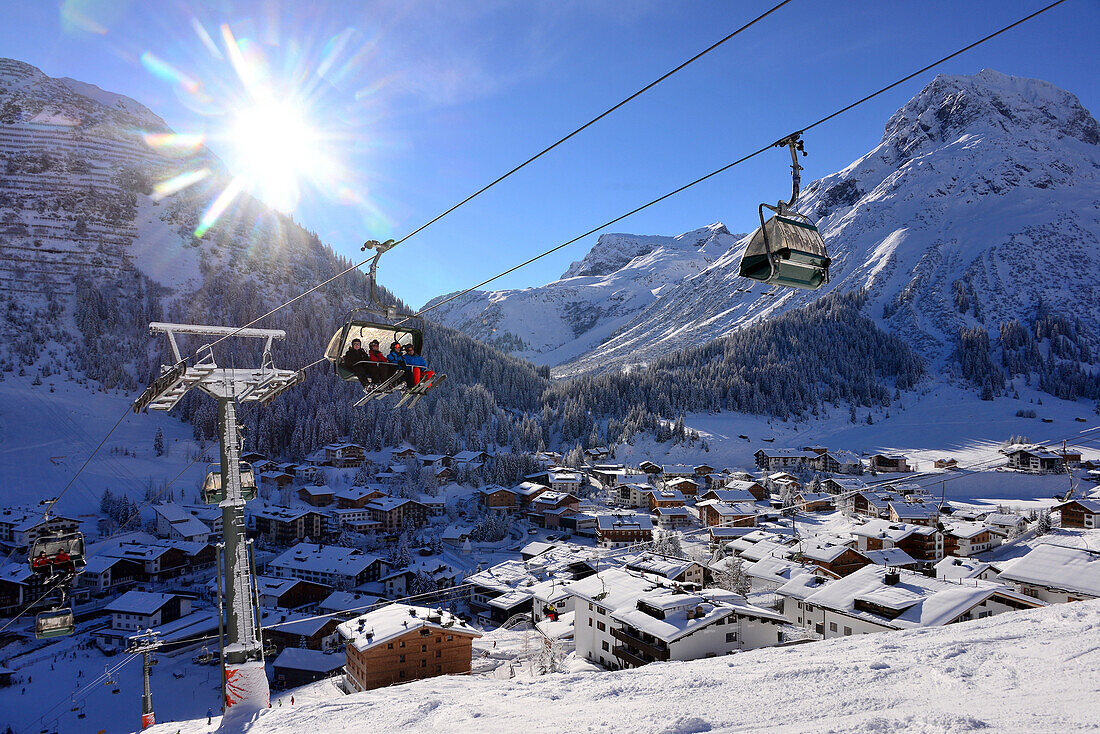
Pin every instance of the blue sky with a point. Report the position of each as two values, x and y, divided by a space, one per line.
425 102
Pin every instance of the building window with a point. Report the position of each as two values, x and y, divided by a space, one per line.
450 638
731 637
423 663
402 643
601 610
423 648
401 659
439 653
389 646
601 626
402 674
847 630
605 645
590 621
439 668
832 626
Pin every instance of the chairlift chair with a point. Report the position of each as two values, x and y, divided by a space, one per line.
787 249
386 324
58 553
54 623
213 488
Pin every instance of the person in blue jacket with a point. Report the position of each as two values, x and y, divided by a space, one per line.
395 354
416 367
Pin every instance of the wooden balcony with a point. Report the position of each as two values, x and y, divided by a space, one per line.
628 639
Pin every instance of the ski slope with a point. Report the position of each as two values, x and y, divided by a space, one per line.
1028 671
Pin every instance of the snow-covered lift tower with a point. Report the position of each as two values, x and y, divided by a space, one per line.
245 682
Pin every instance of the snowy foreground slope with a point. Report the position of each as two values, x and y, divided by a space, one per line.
1030 671
980 199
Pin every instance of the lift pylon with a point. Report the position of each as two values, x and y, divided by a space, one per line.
244 684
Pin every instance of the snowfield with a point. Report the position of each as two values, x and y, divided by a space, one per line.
1033 671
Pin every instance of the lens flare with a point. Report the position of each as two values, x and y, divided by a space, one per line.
175 143
179 183
214 212
163 70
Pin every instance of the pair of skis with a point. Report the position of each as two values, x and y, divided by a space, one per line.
414 393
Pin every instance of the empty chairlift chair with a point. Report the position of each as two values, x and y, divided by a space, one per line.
787 250
213 488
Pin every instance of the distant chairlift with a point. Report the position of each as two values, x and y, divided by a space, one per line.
213 488
787 250
387 325
57 558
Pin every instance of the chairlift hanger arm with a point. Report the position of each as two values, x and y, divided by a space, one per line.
794 142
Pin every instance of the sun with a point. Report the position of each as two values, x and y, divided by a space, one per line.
275 149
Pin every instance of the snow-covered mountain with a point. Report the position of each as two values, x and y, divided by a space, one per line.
981 199
618 279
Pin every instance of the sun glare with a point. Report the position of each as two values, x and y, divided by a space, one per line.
275 149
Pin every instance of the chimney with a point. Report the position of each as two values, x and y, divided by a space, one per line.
891 578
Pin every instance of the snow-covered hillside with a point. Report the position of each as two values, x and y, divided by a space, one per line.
1025 671
980 199
619 278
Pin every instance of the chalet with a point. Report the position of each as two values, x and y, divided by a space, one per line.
756 489
667 567
634 495
553 501
839 462
456 535
678 471
433 461
965 539
298 666
308 473
396 513
406 455
1080 513
1055 573
616 531
768 574
526 492
399 643
815 501
952 568
252 457
613 475
1035 459
355 519
626 620
919 541
684 485
162 560
580 523
104 574
495 497
773 459
547 459
915 513
140 610
471 459
176 523
501 591
332 565
673 517
276 480
437 505
344 455
400 583
565 480
871 503
288 630
1004 523
737 514
729 496
318 496
356 497
285 525
890 463
880 599
650 468
665 498
946 464
597 453
843 486
839 560
289 593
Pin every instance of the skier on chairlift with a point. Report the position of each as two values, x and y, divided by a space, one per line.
355 360
416 367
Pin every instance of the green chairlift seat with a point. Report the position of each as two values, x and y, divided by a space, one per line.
54 623
213 489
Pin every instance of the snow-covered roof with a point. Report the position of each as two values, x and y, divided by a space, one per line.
382 625
672 512
890 557
387 504
802 584
878 528
316 558
1059 567
1089 505
915 599
503 577
139 602
283 514
536 548
348 601
848 484
527 489
951 567
656 563
787 454
493 489
844 457
316 661
826 553
966 529
730 496
613 588
1008 520
173 513
915 510
355 493
624 522
770 569
294 624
